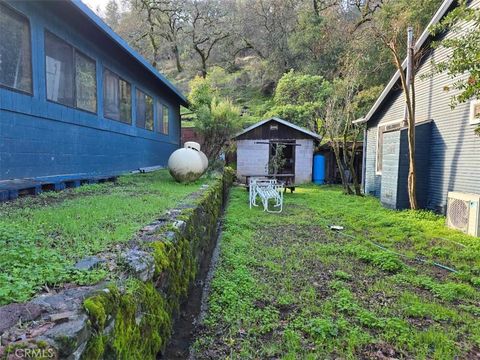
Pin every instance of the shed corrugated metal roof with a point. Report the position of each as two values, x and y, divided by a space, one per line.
100 24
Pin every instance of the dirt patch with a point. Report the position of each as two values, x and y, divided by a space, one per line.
474 353
44 201
381 351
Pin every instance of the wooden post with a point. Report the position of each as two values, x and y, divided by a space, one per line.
410 46
410 117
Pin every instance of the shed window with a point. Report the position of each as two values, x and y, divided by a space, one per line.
144 111
86 83
162 116
71 76
15 50
117 98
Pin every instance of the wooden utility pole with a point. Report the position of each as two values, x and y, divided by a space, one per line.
410 118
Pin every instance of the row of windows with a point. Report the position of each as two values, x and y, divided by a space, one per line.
71 76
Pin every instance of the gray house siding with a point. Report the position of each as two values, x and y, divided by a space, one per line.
390 168
392 110
395 166
454 156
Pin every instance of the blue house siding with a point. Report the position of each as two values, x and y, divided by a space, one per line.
40 138
454 149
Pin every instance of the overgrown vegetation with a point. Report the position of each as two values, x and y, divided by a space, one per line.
287 286
249 45
217 119
42 237
462 64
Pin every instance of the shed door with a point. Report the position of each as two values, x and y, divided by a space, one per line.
282 157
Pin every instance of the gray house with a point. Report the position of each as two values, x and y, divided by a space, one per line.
447 150
257 144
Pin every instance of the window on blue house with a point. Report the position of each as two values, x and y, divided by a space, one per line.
144 110
86 83
59 70
71 76
162 118
165 121
117 98
15 50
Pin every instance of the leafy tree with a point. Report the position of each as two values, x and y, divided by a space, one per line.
318 43
201 93
364 99
342 134
300 99
278 160
463 64
216 119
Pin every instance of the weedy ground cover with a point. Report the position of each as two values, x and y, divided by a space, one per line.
288 287
42 237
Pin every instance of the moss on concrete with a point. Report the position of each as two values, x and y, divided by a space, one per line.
133 319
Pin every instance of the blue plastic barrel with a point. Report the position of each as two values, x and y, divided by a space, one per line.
319 169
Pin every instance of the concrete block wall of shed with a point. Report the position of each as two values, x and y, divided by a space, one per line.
303 161
252 158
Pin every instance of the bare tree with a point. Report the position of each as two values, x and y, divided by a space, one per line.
165 20
407 81
321 5
207 29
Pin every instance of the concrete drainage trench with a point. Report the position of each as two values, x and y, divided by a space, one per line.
167 265
194 308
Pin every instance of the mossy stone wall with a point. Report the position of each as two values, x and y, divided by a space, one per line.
132 319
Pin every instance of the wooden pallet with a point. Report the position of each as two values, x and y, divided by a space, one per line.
12 189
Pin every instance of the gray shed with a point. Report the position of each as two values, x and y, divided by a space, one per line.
256 146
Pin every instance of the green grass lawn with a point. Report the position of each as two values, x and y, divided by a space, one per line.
288 287
42 237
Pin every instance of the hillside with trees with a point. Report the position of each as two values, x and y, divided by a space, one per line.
245 47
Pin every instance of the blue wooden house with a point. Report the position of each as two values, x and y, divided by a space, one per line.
75 98
447 149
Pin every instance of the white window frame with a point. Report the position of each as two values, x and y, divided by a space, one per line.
377 172
472 119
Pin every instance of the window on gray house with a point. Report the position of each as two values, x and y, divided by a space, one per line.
117 98
380 132
15 50
144 111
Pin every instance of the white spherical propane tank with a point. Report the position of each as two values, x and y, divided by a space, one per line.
196 146
186 165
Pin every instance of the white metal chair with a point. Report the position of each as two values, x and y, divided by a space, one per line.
266 189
